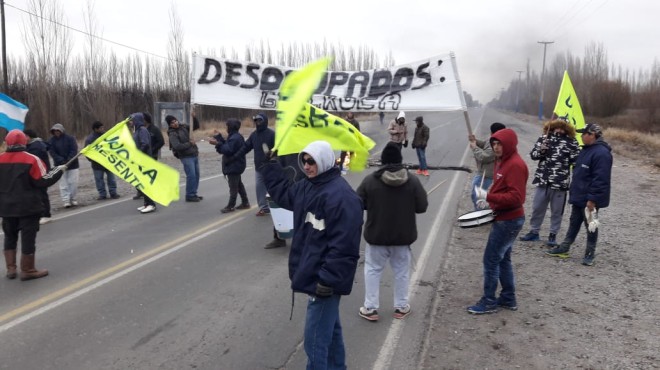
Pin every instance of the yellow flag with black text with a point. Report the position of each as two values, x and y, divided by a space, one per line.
568 106
116 151
299 123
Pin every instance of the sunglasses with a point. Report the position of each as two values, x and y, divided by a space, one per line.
310 161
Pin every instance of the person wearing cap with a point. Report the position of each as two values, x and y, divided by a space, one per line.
350 118
36 146
185 148
556 151
100 171
22 176
261 135
589 191
392 199
233 163
506 198
485 158
398 130
63 148
420 140
325 248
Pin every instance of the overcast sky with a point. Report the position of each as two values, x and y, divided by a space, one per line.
491 39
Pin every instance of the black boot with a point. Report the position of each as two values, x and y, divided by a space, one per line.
589 255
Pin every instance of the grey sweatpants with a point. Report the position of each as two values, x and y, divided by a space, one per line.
543 196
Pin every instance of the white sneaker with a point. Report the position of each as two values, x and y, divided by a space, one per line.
74 202
148 209
140 208
67 205
44 220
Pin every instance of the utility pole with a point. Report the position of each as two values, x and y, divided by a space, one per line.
4 49
545 46
518 92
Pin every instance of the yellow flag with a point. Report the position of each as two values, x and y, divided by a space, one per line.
299 123
116 151
568 106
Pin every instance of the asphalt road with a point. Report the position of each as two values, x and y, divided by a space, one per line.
189 287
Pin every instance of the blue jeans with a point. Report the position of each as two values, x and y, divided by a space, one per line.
476 181
100 185
421 155
324 342
261 191
576 221
191 168
497 261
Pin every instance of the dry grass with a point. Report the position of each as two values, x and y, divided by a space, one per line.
634 144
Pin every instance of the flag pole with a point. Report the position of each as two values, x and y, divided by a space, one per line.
460 93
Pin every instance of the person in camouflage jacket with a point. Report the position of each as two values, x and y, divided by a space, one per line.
556 151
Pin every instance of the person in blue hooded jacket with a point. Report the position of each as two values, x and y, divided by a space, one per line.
325 248
261 135
590 190
142 139
233 163
64 148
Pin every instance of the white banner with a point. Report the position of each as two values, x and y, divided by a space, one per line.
428 85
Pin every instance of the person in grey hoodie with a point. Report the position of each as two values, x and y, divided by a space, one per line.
392 198
63 148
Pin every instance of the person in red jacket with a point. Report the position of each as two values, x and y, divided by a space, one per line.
22 175
506 198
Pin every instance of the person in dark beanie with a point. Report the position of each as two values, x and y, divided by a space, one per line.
22 175
420 140
392 199
185 148
157 140
36 146
485 158
100 171
233 163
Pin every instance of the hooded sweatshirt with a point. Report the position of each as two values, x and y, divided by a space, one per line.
507 194
141 136
262 135
63 148
398 132
327 217
392 198
233 162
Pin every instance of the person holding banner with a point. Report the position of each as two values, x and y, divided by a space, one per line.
398 130
556 151
185 148
63 147
485 158
233 163
22 176
38 147
325 248
142 140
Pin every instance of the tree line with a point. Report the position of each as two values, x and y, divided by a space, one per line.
603 89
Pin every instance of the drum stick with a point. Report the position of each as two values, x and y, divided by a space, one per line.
482 180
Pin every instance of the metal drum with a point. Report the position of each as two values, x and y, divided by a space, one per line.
282 219
476 218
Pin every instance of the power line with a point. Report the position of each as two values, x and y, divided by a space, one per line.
95 36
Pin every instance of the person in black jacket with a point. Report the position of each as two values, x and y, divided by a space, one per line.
392 198
38 147
63 148
99 171
233 163
157 140
142 140
22 175
185 148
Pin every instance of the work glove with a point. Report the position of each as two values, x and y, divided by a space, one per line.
482 204
405 143
323 291
592 219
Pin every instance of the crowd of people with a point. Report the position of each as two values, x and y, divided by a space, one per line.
328 212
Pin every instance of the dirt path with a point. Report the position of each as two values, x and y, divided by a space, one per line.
570 316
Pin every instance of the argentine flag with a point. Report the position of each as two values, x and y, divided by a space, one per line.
12 113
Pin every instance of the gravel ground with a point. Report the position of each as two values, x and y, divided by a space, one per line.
570 316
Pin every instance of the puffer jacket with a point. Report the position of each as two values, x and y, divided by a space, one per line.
592 175
392 198
180 141
63 148
233 163
22 176
554 168
327 226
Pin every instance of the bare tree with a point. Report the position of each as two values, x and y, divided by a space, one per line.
178 68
